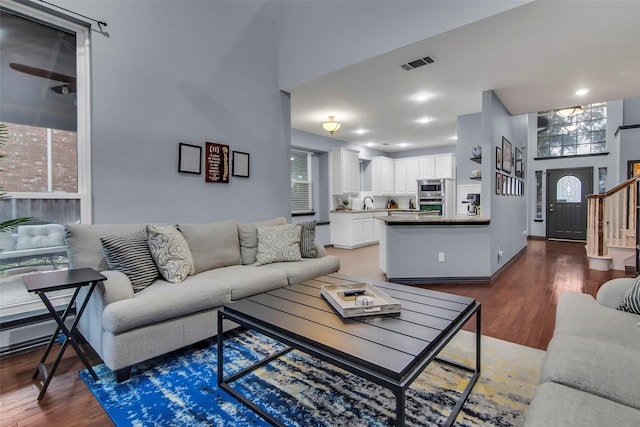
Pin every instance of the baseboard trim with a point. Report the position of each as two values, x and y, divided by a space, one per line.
438 280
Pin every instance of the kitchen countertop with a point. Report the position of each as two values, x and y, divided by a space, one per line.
429 219
374 210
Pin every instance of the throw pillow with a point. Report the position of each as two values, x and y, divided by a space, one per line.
308 239
130 255
170 251
248 235
279 243
631 300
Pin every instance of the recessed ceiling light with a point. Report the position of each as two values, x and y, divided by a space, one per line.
454 137
582 92
421 96
423 120
404 144
360 131
370 144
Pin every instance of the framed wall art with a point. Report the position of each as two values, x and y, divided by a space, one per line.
498 183
519 165
217 163
499 158
189 158
240 164
507 155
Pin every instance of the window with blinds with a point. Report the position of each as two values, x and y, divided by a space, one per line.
301 184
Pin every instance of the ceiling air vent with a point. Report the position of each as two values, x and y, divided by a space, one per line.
416 63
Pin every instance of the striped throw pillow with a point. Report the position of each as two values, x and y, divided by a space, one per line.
308 239
631 300
130 254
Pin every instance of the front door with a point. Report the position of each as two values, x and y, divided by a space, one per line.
567 191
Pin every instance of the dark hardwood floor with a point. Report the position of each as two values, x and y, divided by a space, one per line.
519 307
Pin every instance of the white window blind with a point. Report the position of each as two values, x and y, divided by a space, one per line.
301 184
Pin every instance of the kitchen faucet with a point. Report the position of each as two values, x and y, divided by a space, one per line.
364 201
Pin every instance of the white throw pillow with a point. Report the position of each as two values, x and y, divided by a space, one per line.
170 252
277 244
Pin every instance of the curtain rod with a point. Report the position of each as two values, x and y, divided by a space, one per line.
100 23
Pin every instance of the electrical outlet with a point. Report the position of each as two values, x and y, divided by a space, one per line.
440 256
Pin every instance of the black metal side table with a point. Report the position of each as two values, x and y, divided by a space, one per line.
41 283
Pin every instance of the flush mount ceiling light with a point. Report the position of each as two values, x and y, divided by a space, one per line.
423 120
569 111
582 92
332 126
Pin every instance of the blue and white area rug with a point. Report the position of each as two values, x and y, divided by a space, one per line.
180 388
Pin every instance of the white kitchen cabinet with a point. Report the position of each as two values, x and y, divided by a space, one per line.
382 172
378 225
345 172
351 230
400 176
427 167
444 166
440 166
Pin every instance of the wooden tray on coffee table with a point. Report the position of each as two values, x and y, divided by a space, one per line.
372 300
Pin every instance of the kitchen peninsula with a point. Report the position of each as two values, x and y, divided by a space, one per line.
422 248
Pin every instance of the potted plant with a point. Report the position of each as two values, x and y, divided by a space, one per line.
345 204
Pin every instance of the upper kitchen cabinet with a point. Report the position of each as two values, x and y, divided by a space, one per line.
406 174
440 166
382 172
345 172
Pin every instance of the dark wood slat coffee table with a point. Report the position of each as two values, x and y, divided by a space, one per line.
389 350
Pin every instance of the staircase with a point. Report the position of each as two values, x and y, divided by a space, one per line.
612 220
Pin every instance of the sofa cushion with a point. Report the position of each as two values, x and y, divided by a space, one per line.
248 235
130 255
581 315
561 406
308 239
307 268
607 370
84 248
212 245
170 252
631 300
246 280
278 244
164 301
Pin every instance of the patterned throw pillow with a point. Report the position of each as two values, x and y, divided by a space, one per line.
130 255
170 251
280 243
631 300
308 239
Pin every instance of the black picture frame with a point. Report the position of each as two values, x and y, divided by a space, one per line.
507 155
189 158
499 158
498 183
519 164
240 164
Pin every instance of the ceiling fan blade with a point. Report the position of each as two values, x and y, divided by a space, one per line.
46 74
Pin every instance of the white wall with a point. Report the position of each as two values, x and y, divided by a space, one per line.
197 71
317 36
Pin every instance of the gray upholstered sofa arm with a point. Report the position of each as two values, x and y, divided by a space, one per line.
611 293
117 287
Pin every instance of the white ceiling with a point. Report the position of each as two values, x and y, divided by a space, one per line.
534 57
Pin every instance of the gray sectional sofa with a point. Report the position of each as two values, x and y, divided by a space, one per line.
126 327
591 371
